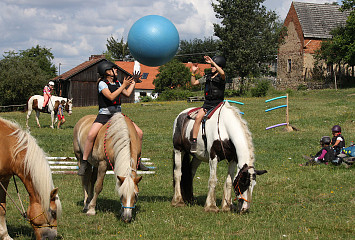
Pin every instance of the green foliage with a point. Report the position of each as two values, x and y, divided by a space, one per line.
341 48
117 50
146 99
249 36
194 50
173 74
231 93
261 89
174 95
43 57
21 77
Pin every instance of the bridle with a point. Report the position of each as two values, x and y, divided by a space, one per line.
237 185
23 212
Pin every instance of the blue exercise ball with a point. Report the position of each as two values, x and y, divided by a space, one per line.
153 40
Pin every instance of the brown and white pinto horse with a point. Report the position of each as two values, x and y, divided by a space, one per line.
36 102
226 137
117 144
21 156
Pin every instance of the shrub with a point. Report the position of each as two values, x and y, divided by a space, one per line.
174 94
261 89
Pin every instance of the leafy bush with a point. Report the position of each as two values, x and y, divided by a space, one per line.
231 93
261 89
146 99
174 94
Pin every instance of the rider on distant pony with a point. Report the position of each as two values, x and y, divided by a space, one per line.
47 95
214 92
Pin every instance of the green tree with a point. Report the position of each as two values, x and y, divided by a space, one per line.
194 50
43 57
172 75
21 77
249 36
340 49
117 50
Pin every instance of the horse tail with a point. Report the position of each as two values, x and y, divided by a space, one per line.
186 178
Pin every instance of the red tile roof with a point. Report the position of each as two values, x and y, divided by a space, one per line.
152 72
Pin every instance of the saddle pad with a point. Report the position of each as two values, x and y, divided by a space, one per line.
193 112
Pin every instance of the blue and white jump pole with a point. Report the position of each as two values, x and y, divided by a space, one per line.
288 128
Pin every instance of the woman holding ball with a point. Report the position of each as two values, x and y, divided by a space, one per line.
109 98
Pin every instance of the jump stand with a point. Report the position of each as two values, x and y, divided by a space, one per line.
288 127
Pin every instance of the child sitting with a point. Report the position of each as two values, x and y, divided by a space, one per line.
338 141
326 154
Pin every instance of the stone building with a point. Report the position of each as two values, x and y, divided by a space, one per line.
308 24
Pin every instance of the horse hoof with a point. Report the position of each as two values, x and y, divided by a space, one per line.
226 209
91 212
212 209
178 204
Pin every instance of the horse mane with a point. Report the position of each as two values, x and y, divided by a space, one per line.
246 131
121 143
35 165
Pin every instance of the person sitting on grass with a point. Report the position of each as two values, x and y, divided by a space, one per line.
338 141
325 155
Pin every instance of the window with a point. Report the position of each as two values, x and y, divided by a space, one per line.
289 65
145 75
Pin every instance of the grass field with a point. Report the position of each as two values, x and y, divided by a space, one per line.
289 202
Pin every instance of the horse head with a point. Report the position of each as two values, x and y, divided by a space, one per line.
243 185
68 106
128 192
44 222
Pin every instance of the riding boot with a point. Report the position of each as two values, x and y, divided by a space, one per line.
45 109
142 167
84 164
193 148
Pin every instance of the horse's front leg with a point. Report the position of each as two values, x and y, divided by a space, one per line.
3 228
210 205
98 187
37 118
28 117
177 200
227 189
52 118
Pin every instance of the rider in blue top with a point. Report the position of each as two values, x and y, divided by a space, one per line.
109 98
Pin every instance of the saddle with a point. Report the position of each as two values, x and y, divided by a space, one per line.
193 112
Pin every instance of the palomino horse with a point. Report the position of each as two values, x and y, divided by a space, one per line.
21 156
118 146
226 137
36 102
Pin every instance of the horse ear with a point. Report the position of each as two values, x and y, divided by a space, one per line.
137 179
260 172
121 179
53 194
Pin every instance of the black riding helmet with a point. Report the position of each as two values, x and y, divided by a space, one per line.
220 61
103 66
325 140
336 128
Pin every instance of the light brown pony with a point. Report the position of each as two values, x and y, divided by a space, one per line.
117 143
21 156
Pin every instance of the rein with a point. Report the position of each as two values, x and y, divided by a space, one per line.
23 212
219 134
105 138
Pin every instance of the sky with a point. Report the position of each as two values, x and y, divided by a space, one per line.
76 29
